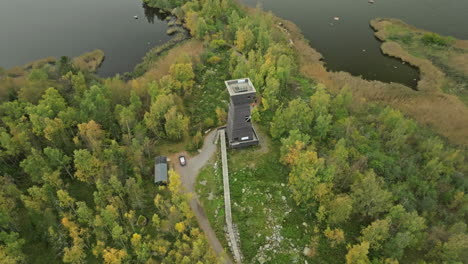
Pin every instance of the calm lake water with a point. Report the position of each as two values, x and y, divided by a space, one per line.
342 42
34 29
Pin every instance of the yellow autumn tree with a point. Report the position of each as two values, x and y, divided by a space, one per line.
180 227
114 256
336 236
357 254
92 134
75 253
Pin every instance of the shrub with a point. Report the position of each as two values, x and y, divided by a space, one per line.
141 220
437 40
214 60
196 142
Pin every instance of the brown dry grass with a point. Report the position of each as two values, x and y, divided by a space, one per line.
191 48
460 62
446 114
461 44
431 78
15 78
89 61
40 63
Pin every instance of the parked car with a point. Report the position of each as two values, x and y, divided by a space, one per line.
182 160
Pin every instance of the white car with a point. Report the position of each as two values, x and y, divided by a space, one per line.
182 161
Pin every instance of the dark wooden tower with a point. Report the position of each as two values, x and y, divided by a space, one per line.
240 131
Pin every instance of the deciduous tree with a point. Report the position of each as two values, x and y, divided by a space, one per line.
370 198
357 254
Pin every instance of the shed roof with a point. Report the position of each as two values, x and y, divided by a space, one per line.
160 169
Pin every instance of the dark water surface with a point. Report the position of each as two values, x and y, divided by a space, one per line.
34 29
342 43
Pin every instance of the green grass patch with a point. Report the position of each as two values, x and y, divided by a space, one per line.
209 92
272 228
209 186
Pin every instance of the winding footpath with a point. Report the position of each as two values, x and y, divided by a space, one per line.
188 176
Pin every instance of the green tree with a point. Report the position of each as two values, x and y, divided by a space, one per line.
9 196
244 39
84 213
96 106
35 165
128 116
78 83
407 231
370 198
340 104
176 126
57 159
320 101
322 126
284 68
136 193
11 248
201 28
338 159
290 144
183 74
87 166
395 128
271 93
308 170
221 116
154 119
48 107
339 209
298 111
376 233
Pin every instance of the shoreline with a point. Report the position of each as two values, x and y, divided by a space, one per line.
442 112
429 105
431 78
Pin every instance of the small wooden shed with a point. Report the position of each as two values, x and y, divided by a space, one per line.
160 170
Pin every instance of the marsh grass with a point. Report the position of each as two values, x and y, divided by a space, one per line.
152 56
89 61
155 65
438 53
444 113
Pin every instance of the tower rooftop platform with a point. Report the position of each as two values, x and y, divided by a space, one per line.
240 86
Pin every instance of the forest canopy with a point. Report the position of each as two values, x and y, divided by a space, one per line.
77 150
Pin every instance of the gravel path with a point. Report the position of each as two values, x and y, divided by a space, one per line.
188 176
